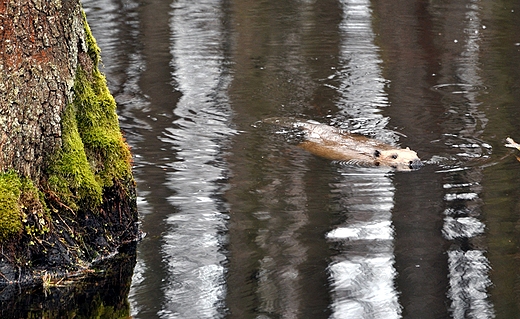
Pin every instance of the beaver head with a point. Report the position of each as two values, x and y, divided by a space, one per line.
400 159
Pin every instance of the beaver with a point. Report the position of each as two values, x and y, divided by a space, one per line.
336 144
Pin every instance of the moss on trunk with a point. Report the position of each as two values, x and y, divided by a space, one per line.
94 153
85 209
10 213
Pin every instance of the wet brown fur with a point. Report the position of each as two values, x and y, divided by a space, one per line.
335 144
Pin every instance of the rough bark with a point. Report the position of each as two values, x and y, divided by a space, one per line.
67 196
39 46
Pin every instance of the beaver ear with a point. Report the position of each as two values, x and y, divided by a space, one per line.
377 153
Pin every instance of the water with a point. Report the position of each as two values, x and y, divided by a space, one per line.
241 223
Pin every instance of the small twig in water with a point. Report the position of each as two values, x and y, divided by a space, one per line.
511 143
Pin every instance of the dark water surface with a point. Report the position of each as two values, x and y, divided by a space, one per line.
242 224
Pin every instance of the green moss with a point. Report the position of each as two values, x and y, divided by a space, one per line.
92 48
10 190
71 177
21 206
34 212
98 123
98 126
94 153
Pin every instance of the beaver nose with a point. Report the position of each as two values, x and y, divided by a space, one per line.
416 164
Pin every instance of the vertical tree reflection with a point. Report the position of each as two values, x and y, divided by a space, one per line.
433 63
363 272
193 245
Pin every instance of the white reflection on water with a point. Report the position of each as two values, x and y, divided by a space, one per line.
366 288
462 227
467 264
468 284
378 230
195 286
362 86
363 272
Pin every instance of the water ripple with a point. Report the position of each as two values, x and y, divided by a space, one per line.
193 245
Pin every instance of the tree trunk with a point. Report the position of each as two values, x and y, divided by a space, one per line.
39 48
67 195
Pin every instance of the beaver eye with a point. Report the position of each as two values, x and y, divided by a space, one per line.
377 153
394 156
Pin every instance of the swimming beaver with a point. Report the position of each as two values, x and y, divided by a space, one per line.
336 144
